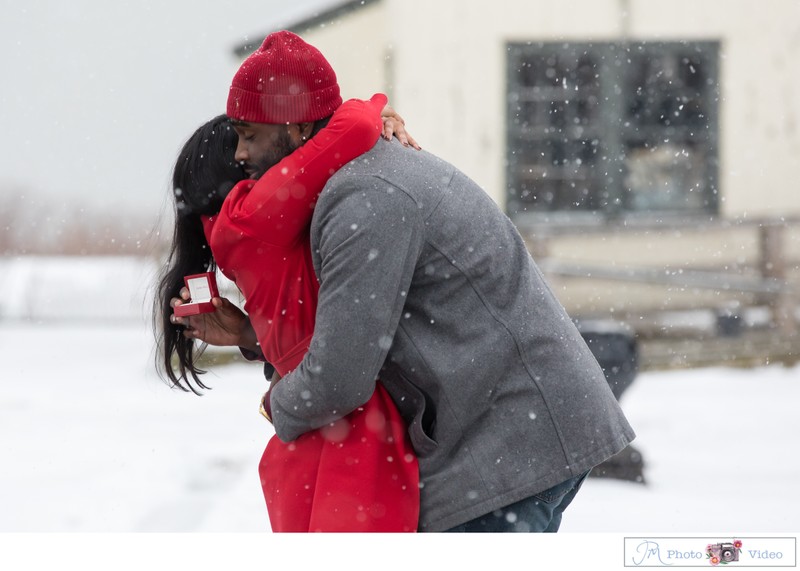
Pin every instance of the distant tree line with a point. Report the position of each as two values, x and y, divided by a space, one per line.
37 225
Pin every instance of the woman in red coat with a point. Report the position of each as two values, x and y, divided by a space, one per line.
360 473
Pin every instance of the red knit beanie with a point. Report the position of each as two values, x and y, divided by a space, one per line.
286 80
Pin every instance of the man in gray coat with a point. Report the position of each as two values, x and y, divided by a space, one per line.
427 285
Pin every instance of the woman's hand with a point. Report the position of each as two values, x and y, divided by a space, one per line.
226 326
393 125
275 378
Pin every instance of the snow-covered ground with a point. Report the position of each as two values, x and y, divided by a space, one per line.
92 441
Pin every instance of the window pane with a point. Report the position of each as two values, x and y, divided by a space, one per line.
554 112
604 128
665 177
667 145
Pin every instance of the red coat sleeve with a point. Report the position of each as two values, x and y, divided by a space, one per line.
278 207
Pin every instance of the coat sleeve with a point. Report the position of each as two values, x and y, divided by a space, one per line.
279 206
369 240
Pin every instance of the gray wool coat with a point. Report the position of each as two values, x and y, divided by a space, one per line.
427 285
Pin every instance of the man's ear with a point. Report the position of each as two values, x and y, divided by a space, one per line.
300 132
305 130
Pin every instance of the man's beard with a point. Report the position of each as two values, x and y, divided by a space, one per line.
283 147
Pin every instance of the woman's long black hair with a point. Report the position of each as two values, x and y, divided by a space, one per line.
204 174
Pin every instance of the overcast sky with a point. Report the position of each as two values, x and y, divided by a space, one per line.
97 97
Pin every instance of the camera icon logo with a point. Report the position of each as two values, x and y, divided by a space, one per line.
723 552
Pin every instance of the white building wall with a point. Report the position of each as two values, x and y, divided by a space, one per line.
452 75
760 81
450 70
447 76
356 46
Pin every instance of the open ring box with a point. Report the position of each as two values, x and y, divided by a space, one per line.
202 287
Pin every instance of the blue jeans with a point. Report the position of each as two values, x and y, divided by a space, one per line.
536 514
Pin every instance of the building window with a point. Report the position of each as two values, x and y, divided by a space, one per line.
604 130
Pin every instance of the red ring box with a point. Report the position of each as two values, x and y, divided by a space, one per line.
202 287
